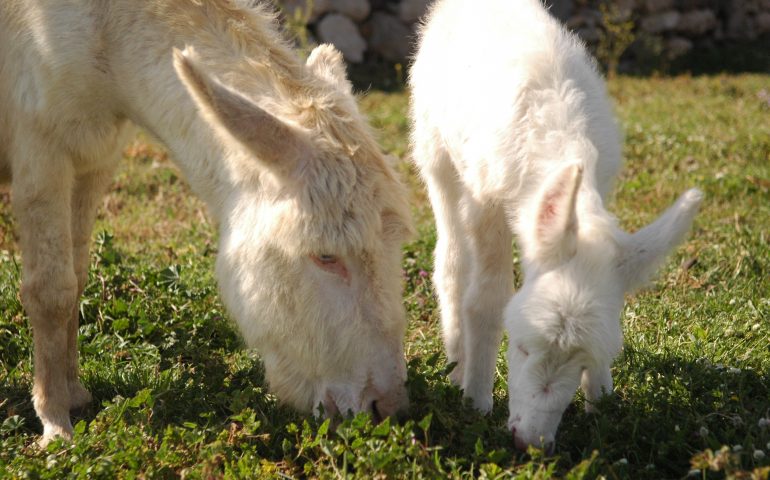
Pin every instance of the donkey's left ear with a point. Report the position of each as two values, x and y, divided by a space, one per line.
327 62
275 144
556 223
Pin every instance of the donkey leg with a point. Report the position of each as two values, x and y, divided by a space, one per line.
41 195
596 381
87 192
450 269
490 287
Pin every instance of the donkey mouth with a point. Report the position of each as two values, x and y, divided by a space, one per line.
548 446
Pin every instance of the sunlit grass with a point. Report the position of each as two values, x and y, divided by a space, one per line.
175 393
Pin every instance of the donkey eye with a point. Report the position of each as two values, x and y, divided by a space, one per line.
332 264
327 259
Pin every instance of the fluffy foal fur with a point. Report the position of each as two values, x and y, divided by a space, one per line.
514 134
311 216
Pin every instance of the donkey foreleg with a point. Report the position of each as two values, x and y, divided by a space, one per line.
596 381
451 257
41 193
489 289
87 192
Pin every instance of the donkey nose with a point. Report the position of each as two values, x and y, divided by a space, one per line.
389 404
376 415
519 443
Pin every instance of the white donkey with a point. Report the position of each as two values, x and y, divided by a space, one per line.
514 134
311 215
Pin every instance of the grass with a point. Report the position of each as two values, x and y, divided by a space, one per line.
177 395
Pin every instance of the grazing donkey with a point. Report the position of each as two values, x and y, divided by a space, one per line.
311 216
514 134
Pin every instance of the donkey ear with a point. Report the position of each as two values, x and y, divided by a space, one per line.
275 144
556 222
644 251
326 61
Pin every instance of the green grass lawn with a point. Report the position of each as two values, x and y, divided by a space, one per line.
177 395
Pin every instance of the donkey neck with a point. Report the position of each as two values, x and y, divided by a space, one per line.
155 98
170 115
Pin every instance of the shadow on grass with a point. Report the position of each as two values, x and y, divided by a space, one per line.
456 426
667 409
15 399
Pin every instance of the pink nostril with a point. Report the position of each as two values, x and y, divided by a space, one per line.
519 443
376 413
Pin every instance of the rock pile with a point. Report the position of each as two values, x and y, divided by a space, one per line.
385 28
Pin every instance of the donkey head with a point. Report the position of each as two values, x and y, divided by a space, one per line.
563 324
310 247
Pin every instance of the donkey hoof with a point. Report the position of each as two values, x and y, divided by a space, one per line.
482 403
79 396
456 375
52 432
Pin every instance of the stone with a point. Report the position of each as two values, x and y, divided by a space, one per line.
389 37
341 32
660 22
751 6
687 5
357 10
762 22
677 46
719 32
740 26
299 9
732 7
654 6
697 22
409 11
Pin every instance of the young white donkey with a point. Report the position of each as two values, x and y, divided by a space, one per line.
311 216
514 134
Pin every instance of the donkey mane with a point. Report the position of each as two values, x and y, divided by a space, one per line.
246 36
243 36
249 39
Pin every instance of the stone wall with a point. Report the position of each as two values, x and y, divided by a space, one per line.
385 28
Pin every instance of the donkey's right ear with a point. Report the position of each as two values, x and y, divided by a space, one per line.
644 251
327 62
278 146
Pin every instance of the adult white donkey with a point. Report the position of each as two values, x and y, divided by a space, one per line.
514 134
311 216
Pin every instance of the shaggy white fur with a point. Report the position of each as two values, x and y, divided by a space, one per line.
514 134
311 215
